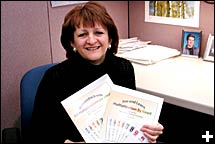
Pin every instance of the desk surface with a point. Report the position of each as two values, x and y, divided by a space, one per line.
183 81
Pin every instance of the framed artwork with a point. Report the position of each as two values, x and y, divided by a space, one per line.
209 50
183 13
63 3
191 43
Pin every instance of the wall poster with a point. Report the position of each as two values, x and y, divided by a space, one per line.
183 13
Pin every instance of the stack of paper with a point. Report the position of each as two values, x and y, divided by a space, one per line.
150 54
129 44
105 112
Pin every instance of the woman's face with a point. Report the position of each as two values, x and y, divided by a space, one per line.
91 43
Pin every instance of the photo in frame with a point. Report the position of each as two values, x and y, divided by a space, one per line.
209 50
182 13
191 43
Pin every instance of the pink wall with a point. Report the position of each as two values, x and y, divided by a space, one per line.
168 35
24 44
30 37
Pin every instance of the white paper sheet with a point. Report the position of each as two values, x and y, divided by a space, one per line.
86 107
134 109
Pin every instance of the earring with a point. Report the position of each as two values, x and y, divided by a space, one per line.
109 46
74 49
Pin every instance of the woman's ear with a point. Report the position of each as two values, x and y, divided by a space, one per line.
71 44
110 41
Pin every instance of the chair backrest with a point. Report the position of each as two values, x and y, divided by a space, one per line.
28 88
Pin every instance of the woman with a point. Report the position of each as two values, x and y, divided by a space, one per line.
90 39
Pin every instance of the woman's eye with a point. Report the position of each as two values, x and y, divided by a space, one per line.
81 35
99 33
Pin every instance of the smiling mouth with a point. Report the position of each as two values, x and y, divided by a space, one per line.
92 48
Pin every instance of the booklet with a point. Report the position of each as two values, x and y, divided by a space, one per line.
86 108
105 112
126 112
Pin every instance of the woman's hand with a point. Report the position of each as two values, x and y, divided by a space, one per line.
152 132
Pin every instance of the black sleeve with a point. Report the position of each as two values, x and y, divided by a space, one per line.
129 76
123 73
43 122
50 122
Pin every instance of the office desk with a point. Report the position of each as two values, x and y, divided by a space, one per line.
182 81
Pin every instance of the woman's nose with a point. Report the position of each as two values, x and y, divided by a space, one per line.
91 39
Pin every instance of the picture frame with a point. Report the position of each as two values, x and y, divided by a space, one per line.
209 50
64 3
191 42
173 12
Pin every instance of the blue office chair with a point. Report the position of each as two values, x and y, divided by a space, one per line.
28 88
